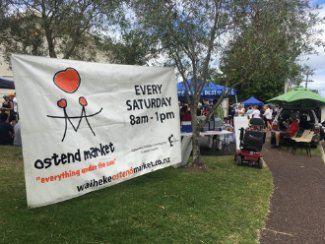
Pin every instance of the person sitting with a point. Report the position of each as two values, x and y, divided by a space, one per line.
6 130
290 132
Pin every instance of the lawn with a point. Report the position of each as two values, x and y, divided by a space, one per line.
225 204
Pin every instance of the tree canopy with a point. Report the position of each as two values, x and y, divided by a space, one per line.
267 46
134 47
56 28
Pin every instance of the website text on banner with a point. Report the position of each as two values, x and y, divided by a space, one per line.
86 126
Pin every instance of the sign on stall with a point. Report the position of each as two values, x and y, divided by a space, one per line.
86 126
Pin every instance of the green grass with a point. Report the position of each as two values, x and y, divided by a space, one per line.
225 204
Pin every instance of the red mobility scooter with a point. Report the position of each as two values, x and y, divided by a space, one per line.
251 143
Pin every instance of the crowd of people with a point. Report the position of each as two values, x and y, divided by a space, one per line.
9 126
203 109
265 112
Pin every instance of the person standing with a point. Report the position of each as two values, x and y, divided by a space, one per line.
241 110
185 115
249 112
218 113
13 98
256 113
268 117
199 111
8 107
262 111
207 109
276 110
231 116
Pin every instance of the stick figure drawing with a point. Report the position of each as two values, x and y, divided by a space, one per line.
69 80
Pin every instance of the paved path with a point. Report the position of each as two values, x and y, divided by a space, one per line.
297 208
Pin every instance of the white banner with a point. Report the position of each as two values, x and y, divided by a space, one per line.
86 126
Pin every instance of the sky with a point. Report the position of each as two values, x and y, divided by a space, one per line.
317 62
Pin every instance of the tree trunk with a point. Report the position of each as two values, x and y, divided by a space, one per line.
197 161
50 43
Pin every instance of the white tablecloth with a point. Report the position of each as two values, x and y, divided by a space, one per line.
186 143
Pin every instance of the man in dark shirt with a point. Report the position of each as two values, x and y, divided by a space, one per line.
6 130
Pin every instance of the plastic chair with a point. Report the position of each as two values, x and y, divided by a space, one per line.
304 140
303 135
287 140
293 138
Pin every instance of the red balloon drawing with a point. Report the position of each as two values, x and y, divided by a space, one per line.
67 80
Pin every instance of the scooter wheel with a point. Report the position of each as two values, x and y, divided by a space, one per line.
260 163
239 160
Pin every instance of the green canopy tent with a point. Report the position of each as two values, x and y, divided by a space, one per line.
300 97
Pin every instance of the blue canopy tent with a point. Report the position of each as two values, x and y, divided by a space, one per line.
6 83
252 100
209 91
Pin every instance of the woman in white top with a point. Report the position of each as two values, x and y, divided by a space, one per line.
268 117
256 113
241 110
